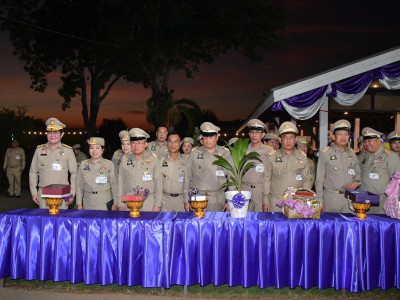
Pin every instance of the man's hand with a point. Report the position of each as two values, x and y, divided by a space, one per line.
35 199
5 170
79 207
156 209
22 170
265 208
114 207
352 185
226 207
187 206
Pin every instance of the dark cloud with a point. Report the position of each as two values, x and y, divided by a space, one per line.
135 112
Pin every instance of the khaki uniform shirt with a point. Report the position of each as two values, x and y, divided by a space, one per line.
15 158
144 172
80 157
285 171
116 160
201 174
96 184
376 170
336 169
52 167
158 150
254 179
312 170
173 174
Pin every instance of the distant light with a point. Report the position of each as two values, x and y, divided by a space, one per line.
316 121
80 132
375 85
242 134
69 132
225 134
40 132
298 125
29 132
391 117
34 132
346 112
74 132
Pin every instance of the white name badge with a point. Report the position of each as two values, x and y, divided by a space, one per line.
373 176
101 179
299 177
259 168
56 167
18 157
220 173
180 179
147 177
351 171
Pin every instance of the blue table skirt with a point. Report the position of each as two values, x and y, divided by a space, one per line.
159 250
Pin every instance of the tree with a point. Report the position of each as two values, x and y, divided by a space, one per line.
173 35
164 109
76 38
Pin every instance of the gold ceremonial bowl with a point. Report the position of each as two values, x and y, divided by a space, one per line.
199 207
54 203
361 209
135 205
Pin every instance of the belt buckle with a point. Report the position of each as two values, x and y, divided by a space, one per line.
253 186
174 195
95 193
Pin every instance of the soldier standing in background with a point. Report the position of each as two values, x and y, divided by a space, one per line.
378 165
254 179
51 163
125 150
286 167
159 146
14 165
271 140
302 145
187 146
173 174
394 141
338 170
201 174
79 155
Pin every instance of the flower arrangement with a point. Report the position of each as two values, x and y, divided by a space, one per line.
139 191
299 206
68 198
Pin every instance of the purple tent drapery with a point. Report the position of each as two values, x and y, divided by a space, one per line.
353 85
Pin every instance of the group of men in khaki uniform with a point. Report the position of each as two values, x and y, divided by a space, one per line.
170 176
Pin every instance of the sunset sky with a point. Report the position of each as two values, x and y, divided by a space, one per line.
319 35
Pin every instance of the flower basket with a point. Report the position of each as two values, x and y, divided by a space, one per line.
300 204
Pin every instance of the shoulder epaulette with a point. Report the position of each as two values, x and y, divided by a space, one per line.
107 160
352 150
225 148
302 152
42 145
116 151
155 155
195 148
388 151
273 152
326 149
67 146
85 160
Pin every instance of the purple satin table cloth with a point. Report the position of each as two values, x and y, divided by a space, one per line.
163 249
265 250
91 246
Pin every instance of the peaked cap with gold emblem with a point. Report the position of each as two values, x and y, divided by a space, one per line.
188 140
124 135
370 133
54 124
138 134
341 125
209 129
255 124
288 127
394 135
96 141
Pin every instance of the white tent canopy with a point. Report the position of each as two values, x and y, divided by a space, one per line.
327 78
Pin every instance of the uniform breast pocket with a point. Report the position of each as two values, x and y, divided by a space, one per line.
198 168
278 170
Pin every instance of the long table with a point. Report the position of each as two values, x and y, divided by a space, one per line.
163 249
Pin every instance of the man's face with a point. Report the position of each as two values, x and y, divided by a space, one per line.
372 145
256 136
288 141
161 134
76 151
173 143
302 147
395 145
54 137
272 143
210 142
341 138
138 147
14 144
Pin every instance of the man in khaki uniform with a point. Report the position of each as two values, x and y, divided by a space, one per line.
140 168
201 174
125 149
51 163
187 146
361 153
254 179
338 170
286 167
380 164
14 165
394 141
96 182
271 140
173 174
159 146
79 155
302 145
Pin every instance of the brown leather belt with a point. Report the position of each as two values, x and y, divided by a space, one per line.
99 192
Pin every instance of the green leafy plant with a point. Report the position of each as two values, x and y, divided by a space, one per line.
241 163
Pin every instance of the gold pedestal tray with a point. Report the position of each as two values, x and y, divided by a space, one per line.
135 206
54 203
199 206
361 209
